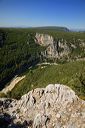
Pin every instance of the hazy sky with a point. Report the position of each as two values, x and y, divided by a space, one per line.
26 13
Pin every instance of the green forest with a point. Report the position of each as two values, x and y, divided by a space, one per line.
18 51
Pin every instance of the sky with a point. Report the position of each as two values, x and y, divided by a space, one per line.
34 13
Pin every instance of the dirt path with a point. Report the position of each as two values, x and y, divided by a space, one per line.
46 63
12 84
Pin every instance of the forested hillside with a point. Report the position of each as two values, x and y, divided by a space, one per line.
18 51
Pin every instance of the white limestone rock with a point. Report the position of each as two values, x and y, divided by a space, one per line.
55 106
52 45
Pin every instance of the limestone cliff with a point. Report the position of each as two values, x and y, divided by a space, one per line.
59 48
55 48
55 106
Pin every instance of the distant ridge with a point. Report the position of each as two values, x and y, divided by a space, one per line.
45 28
53 28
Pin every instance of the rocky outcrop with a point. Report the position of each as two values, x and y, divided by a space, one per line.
44 39
55 48
61 48
55 106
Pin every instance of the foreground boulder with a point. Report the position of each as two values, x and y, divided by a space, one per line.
55 106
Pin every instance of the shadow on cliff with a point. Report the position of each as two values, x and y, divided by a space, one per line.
6 121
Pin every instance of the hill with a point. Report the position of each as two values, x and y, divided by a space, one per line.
16 53
51 28
71 74
19 49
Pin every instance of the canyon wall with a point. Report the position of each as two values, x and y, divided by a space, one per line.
72 48
54 47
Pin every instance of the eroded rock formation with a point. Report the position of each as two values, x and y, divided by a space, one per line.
65 49
55 48
55 106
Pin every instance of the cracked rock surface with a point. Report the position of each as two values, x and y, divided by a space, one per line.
56 106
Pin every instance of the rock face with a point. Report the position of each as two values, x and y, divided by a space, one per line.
55 48
55 106
60 48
